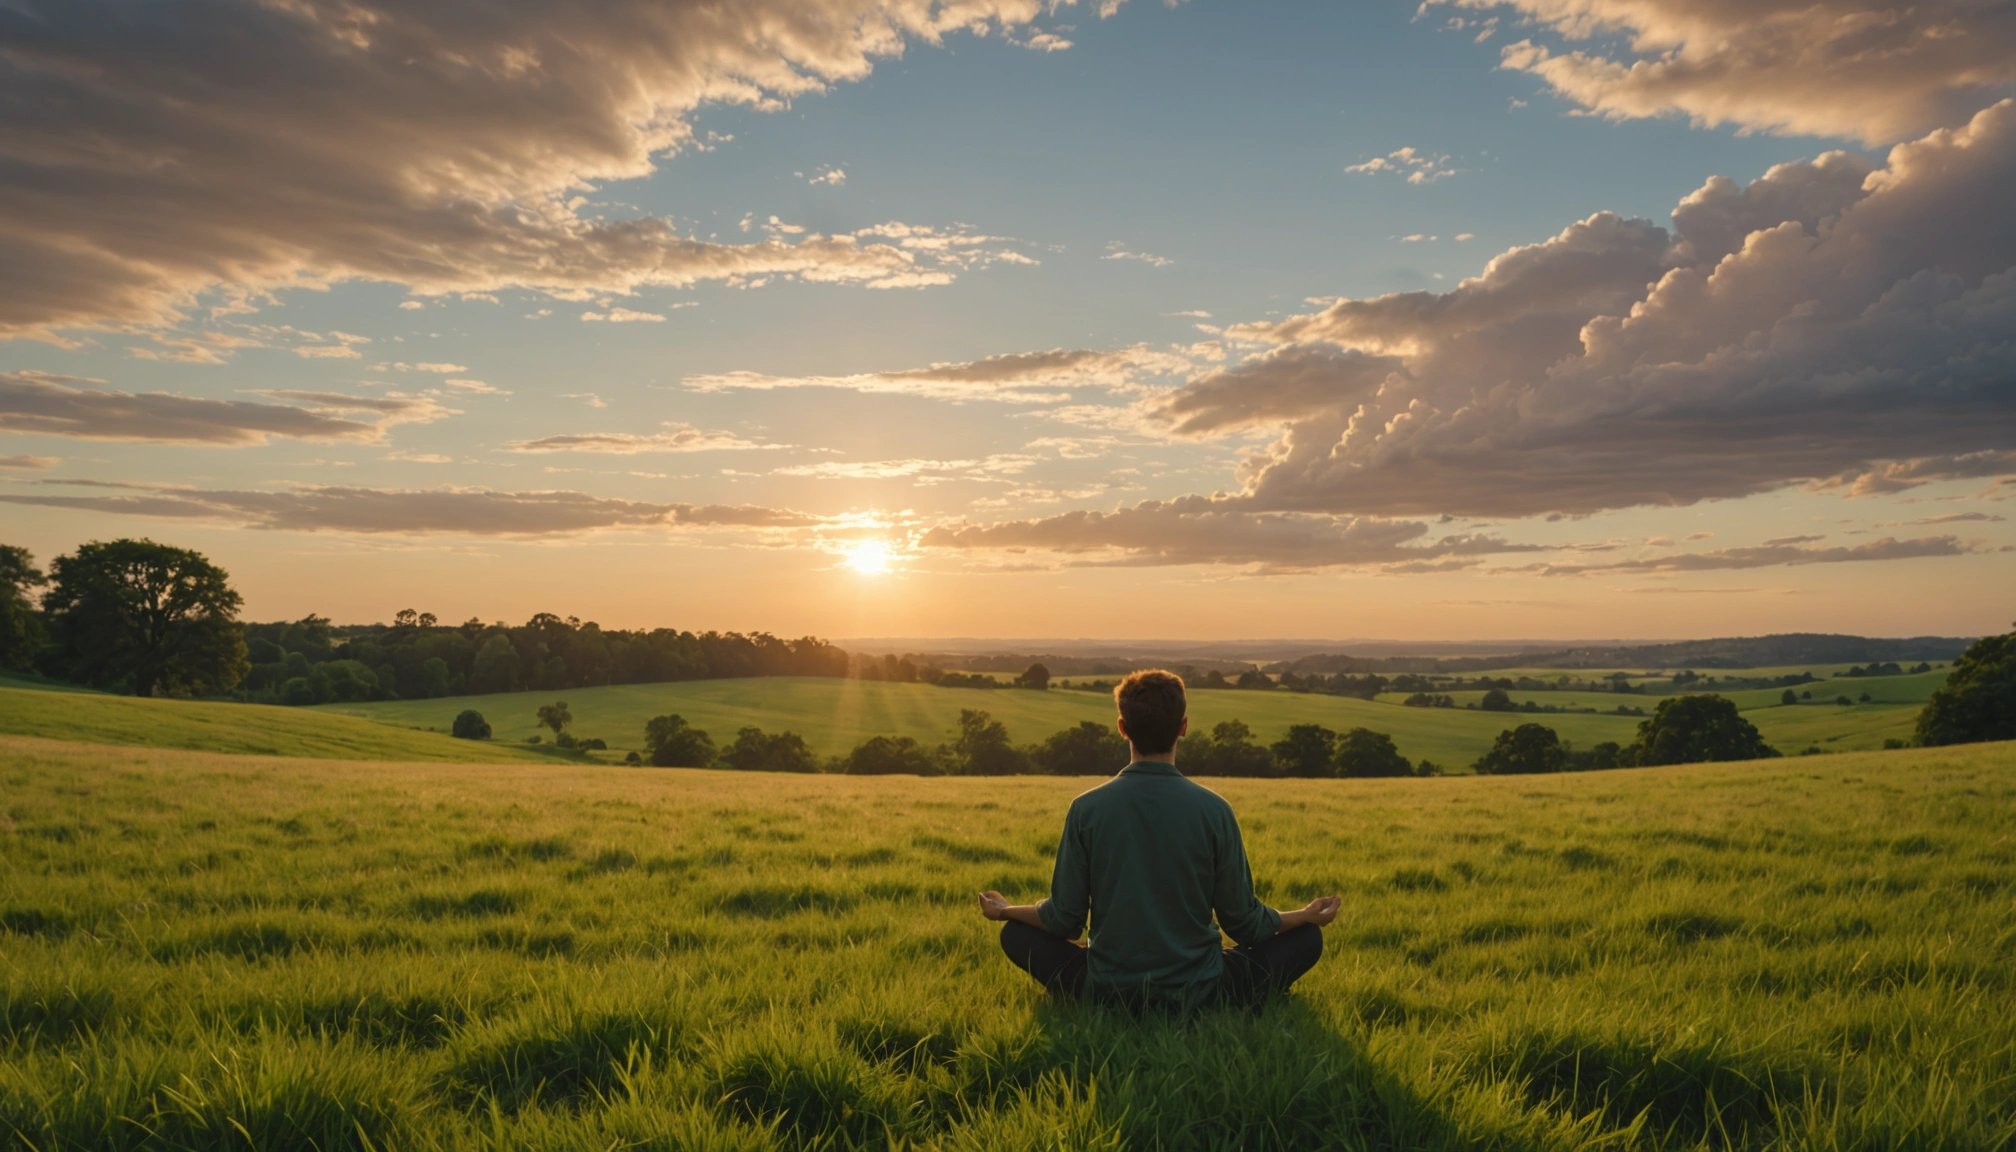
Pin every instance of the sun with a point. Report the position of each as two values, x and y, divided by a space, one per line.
869 557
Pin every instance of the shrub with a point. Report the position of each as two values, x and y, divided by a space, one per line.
1496 701
890 756
1307 750
1599 758
1697 729
1790 697
756 751
470 725
1978 700
1228 751
1363 752
1037 676
1090 749
1526 749
670 742
555 716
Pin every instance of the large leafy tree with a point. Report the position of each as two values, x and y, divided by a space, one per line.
145 617
1978 701
1090 749
20 628
1363 752
1694 730
983 747
1529 748
1307 750
670 742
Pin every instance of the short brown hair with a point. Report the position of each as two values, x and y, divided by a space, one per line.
1152 708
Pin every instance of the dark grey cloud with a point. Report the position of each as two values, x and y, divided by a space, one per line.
157 150
1831 324
1869 70
43 405
429 511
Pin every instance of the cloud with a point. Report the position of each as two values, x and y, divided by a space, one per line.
920 471
1201 530
1866 70
1015 378
1410 162
679 438
392 408
624 316
476 386
240 147
1771 555
328 352
1832 322
35 403
28 463
831 177
1118 251
387 511
1898 476
1959 518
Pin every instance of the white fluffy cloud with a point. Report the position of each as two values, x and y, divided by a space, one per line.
242 145
1867 70
1832 323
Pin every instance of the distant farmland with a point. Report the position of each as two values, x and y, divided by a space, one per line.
834 715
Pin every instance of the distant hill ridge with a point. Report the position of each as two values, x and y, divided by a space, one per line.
1726 652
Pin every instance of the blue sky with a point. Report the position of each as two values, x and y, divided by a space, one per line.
1203 204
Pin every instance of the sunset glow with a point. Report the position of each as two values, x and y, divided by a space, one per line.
1474 324
869 558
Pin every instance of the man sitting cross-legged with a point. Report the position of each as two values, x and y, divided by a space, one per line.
1150 857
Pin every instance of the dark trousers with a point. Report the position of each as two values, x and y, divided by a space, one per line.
1252 972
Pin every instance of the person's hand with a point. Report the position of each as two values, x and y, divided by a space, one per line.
1321 910
993 905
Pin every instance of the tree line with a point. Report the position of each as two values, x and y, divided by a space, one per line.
983 747
154 620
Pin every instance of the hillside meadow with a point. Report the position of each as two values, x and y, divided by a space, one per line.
256 729
213 951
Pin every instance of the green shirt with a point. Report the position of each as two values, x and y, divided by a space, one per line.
1149 856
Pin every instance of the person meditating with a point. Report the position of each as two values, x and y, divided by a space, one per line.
1149 857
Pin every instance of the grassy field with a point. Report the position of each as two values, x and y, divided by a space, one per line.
206 951
251 728
834 715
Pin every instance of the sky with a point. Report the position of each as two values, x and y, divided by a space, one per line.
1459 320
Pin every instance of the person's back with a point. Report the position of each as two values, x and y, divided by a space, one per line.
1148 859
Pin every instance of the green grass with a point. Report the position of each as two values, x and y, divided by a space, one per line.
834 715
213 727
201 951
33 682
